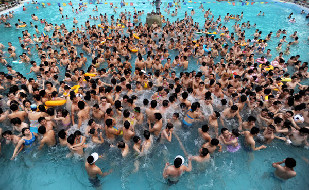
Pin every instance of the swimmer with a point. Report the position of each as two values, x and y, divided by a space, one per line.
287 171
249 140
173 172
93 170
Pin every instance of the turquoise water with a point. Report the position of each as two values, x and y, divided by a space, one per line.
49 169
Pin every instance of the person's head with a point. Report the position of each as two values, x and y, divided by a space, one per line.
25 131
126 124
205 128
204 152
214 142
42 130
169 126
254 131
71 139
179 160
235 132
7 134
158 116
81 105
304 131
146 134
109 122
62 134
121 144
92 158
234 108
224 131
77 133
290 162
136 139
16 121
42 120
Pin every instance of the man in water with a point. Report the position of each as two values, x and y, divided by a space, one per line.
287 171
249 140
173 172
93 170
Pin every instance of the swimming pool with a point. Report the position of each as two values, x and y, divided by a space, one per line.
51 170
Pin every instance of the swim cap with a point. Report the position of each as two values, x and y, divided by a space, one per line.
179 160
95 157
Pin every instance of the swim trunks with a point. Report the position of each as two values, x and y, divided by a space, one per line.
170 182
95 182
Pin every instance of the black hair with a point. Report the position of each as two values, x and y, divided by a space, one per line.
214 142
42 129
290 162
146 134
205 128
62 134
136 139
254 130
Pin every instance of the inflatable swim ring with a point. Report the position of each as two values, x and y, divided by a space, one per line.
211 33
244 44
134 50
99 25
286 79
232 18
275 63
268 68
55 103
90 74
22 26
75 88
222 34
232 148
135 36
199 32
259 60
205 48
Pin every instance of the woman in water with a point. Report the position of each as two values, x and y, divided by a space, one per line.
26 141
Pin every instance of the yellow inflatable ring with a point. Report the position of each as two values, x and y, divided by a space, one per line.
109 38
22 26
211 33
286 79
222 34
75 88
90 74
244 44
232 18
270 67
134 50
55 103
99 25
135 36
102 42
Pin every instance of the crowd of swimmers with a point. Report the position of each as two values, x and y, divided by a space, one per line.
134 105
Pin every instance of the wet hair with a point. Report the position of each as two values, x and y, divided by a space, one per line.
62 134
15 121
109 122
121 144
42 129
223 129
169 126
136 139
146 134
254 130
137 109
145 102
235 132
205 128
214 142
77 133
126 113
92 131
158 116
251 118
234 107
90 121
24 129
81 105
176 115
204 152
278 120
177 162
153 103
8 132
217 114
126 124
304 130
41 119
290 162
90 159
14 107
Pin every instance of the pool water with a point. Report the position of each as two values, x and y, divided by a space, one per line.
50 169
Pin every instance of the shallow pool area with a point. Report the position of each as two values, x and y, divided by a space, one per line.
50 169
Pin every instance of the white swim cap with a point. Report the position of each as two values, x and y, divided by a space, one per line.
182 159
95 157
